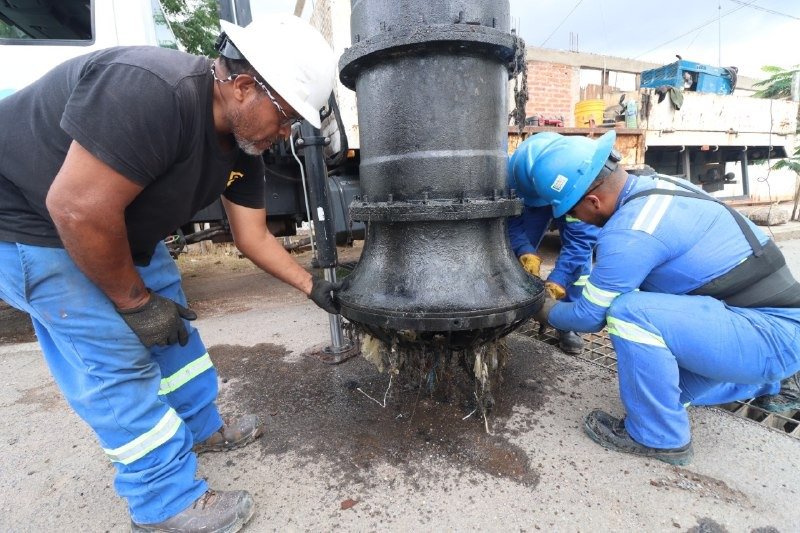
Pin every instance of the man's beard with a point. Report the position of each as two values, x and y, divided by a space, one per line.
248 147
238 120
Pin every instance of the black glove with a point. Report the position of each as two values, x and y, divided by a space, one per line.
158 321
543 312
324 294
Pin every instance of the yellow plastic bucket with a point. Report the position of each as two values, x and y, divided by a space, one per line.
589 113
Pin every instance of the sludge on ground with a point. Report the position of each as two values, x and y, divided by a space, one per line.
317 411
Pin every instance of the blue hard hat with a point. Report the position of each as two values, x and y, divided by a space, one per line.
520 165
565 168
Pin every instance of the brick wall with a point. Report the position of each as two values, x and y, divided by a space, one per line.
552 91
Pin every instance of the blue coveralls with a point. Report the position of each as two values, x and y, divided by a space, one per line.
675 349
146 406
574 261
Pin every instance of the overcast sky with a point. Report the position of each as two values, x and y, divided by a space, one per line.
743 33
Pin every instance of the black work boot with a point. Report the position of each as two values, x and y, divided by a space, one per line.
570 342
609 432
234 433
213 512
787 399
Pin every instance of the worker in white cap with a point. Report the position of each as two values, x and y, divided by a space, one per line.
112 152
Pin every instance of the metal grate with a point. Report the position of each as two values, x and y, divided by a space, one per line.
599 350
788 422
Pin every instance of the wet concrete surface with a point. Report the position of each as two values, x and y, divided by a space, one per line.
332 458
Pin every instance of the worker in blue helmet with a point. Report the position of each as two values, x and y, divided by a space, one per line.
565 282
699 303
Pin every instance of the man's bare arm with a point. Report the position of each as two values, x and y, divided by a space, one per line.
87 202
249 227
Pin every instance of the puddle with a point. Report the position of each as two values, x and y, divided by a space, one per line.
317 411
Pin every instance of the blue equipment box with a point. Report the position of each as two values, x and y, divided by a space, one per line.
691 76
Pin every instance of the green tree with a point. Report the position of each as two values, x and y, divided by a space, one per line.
195 24
791 163
778 84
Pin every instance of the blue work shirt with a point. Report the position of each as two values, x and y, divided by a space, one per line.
577 241
659 243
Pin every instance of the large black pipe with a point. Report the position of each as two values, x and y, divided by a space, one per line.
431 79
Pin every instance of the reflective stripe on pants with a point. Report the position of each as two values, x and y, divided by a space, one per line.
111 380
674 350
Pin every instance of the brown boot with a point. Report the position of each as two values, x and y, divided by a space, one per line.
213 512
234 433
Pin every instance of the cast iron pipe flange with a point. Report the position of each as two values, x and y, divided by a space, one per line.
454 39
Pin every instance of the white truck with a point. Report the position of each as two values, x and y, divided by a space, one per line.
715 139
36 36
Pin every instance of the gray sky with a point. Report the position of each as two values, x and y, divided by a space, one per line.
743 33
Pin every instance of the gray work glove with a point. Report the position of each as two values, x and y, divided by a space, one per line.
324 294
158 321
541 315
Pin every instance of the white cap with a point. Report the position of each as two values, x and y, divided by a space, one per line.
292 57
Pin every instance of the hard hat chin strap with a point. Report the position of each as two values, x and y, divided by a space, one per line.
610 165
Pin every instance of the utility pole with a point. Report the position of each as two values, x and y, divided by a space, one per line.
719 34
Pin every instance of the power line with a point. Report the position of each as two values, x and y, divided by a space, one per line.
767 10
605 32
701 26
562 22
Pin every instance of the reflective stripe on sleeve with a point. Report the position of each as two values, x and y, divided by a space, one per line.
598 296
147 442
570 219
185 374
581 281
632 332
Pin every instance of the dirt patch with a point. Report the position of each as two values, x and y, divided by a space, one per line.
317 410
45 397
15 326
703 487
706 525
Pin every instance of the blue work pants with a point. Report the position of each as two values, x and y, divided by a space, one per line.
677 350
146 406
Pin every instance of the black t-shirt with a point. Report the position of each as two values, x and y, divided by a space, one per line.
144 111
